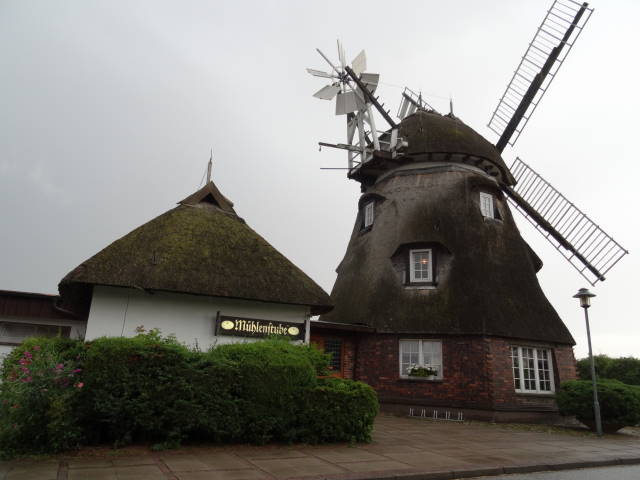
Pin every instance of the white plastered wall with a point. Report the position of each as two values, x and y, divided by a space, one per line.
191 318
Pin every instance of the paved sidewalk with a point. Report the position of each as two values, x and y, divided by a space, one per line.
403 448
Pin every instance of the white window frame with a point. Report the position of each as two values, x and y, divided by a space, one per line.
487 205
421 342
412 270
521 380
369 214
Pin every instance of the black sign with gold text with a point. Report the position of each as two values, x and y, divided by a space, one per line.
255 327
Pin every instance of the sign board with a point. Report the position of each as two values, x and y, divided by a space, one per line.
255 327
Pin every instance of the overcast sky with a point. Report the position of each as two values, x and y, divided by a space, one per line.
108 110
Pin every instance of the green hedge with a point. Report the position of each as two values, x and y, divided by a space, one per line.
153 389
624 369
339 410
619 403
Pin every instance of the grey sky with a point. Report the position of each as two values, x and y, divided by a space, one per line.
108 111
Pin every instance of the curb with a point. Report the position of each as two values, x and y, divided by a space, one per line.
487 471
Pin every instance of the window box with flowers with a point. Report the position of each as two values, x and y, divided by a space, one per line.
422 371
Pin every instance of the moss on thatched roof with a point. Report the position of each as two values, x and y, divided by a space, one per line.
430 132
485 273
200 247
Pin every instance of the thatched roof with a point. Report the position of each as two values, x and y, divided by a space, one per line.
200 247
435 138
485 273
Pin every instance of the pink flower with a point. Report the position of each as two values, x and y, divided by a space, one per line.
59 366
77 370
27 379
24 369
79 385
36 348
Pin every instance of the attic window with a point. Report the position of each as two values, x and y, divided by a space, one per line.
368 214
486 205
420 265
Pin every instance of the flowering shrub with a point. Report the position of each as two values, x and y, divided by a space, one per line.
421 371
41 382
58 393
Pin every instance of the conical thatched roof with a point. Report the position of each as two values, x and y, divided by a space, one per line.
484 272
432 137
200 247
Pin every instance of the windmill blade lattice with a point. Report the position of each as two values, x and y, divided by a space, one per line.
547 51
587 247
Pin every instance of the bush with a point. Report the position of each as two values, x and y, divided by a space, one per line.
339 410
270 378
58 394
619 403
39 397
138 388
624 369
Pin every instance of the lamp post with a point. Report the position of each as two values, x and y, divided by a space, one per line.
585 302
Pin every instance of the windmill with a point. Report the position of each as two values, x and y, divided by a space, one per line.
587 247
353 90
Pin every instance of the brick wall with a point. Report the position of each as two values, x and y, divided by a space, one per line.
465 383
503 389
477 374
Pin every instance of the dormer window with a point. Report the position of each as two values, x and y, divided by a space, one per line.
420 265
368 214
486 205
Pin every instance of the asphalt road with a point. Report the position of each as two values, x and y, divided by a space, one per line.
626 472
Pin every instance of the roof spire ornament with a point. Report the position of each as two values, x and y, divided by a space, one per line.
209 166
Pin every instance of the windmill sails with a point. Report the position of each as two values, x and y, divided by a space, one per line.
560 28
587 247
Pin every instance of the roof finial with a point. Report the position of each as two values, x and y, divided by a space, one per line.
450 105
209 167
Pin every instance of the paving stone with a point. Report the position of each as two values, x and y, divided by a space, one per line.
266 452
184 463
133 460
224 475
297 467
89 463
140 472
35 471
93 474
423 459
347 455
223 461
377 466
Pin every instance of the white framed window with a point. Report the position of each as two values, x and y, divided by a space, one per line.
13 333
427 353
486 205
368 214
420 265
532 370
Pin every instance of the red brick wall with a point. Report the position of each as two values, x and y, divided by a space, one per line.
465 383
348 354
476 374
504 395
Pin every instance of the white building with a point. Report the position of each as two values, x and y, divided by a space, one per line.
197 271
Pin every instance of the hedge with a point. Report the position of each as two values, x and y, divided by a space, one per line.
153 389
624 369
619 403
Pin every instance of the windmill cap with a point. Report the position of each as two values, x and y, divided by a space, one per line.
428 132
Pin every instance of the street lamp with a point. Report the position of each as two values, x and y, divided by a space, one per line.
585 302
